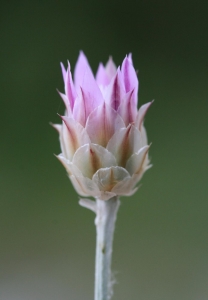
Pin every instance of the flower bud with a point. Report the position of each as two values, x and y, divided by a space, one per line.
103 140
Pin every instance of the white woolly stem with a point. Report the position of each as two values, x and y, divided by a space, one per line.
106 212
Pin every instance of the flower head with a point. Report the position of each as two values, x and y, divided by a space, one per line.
103 140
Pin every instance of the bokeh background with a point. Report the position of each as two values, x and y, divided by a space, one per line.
47 241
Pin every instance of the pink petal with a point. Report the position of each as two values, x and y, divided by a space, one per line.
85 104
130 58
81 67
115 91
67 103
102 124
80 109
141 114
91 91
110 69
127 109
69 88
130 77
101 76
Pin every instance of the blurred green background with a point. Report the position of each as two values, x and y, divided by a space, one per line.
47 241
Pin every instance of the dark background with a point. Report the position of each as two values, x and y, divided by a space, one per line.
46 240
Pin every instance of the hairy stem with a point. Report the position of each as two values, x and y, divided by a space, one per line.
106 212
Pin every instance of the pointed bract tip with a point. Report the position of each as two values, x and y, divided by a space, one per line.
60 94
58 91
62 65
57 127
60 116
63 71
82 55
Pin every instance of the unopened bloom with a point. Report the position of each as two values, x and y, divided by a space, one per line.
103 140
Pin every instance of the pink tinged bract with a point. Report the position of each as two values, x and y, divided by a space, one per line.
81 108
130 58
69 88
67 104
137 162
70 93
102 77
123 143
73 136
91 90
102 123
127 109
130 78
141 114
81 67
115 91
89 98
110 68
